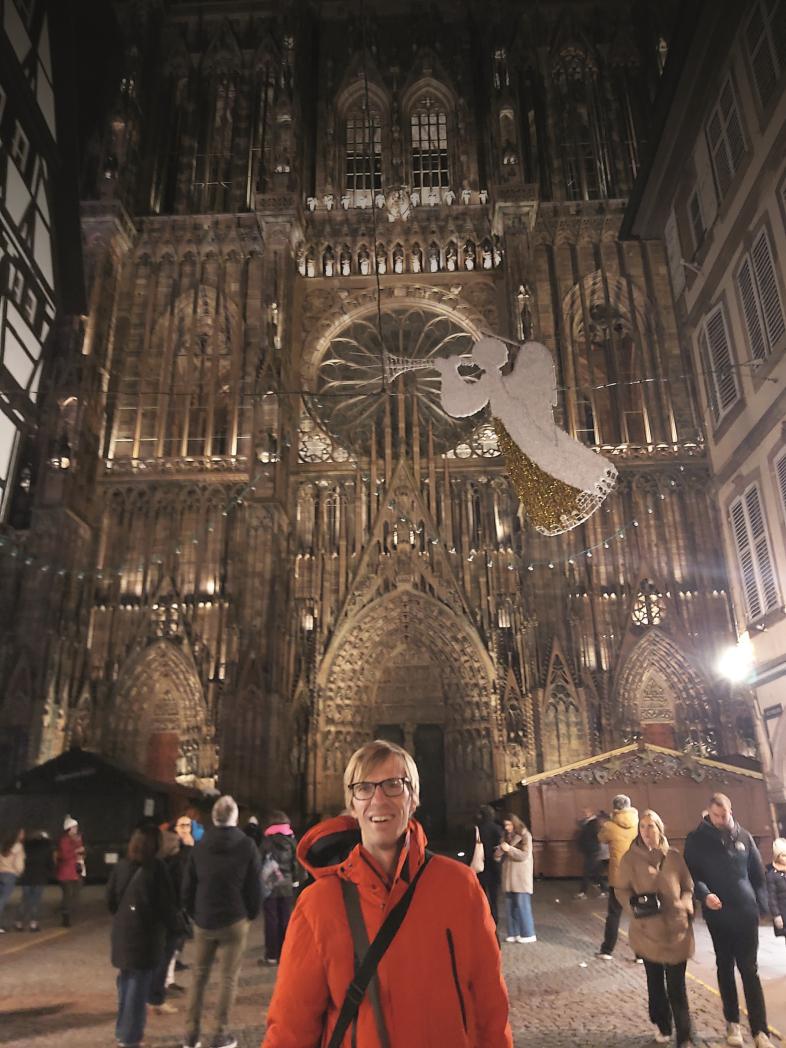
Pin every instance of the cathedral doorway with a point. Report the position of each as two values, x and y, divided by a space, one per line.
410 670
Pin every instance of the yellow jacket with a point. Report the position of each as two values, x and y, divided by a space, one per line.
618 832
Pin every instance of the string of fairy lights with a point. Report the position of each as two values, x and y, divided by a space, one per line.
586 554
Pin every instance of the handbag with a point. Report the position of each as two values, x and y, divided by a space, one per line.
478 861
368 966
645 905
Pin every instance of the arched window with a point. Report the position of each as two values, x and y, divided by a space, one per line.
429 136
362 149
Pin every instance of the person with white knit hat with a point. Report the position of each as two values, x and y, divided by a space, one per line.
70 867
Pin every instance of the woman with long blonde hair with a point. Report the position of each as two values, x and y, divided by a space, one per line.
655 887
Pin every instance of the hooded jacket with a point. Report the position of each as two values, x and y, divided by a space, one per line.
142 903
439 981
776 892
618 832
726 863
666 937
221 883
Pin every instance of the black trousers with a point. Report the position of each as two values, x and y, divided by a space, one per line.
490 879
739 944
592 873
613 914
668 996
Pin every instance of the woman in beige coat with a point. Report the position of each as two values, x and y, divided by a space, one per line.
664 939
515 854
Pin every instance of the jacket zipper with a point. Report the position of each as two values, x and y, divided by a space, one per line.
456 983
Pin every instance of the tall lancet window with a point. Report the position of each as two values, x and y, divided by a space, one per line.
213 167
587 171
429 134
362 149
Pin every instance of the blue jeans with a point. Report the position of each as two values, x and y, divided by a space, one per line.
30 905
520 920
133 989
7 884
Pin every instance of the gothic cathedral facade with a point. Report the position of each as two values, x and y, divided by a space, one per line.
262 553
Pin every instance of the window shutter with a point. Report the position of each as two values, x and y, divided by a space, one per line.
720 161
706 187
761 548
723 375
706 366
750 307
780 471
674 254
739 527
765 75
769 292
731 116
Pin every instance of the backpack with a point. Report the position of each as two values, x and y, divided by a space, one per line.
270 876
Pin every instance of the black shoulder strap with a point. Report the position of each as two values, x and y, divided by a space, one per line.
360 938
384 937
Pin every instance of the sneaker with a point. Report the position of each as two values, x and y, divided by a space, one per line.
19 926
192 1041
35 926
526 938
661 1037
734 1034
638 960
581 895
602 894
224 1040
163 1009
604 956
510 938
761 1040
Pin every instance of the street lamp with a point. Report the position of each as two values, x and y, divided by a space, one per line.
736 662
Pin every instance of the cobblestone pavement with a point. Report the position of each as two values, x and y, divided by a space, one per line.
57 988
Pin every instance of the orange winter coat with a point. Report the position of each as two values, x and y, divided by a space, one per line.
440 981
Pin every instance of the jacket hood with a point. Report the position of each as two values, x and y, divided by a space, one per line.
328 845
706 828
627 818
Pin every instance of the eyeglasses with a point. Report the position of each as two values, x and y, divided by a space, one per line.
364 791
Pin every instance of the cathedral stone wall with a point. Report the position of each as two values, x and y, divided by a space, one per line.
285 556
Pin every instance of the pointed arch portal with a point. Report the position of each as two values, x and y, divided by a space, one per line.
410 669
159 723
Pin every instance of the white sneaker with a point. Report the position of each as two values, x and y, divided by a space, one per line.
603 956
734 1034
526 938
761 1040
581 895
661 1038
510 938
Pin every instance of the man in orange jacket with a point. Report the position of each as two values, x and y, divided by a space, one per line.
440 980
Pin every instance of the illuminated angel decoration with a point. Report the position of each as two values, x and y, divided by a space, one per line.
559 481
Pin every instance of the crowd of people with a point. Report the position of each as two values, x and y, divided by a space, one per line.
382 916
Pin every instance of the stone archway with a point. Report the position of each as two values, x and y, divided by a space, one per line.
410 668
661 691
158 722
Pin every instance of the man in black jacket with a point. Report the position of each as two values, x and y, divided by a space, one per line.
222 893
730 882
491 833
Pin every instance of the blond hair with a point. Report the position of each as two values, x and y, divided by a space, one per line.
779 850
663 843
372 754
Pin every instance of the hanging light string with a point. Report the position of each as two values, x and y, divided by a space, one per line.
238 498
723 372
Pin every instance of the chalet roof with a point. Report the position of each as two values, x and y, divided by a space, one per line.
76 766
639 762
